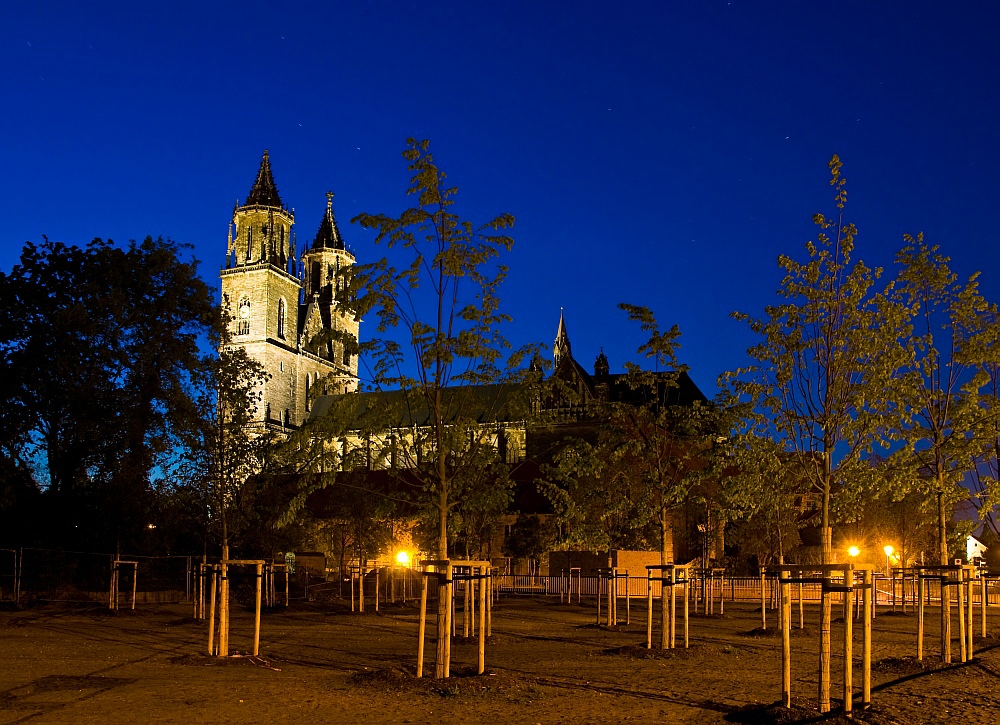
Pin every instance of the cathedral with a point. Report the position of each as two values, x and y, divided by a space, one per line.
284 311
282 305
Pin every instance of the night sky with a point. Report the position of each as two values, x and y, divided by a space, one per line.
657 153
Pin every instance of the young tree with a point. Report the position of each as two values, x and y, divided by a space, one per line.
447 374
942 410
448 370
669 443
939 389
985 471
597 500
762 495
825 363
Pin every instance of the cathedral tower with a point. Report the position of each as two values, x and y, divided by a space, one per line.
295 338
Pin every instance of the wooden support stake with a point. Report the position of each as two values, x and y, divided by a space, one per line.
786 642
983 603
848 641
612 581
920 616
664 613
376 589
673 608
482 625
211 613
224 605
256 616
600 595
467 591
802 619
489 603
960 591
866 644
945 621
824 649
649 611
628 602
686 627
422 626
722 594
450 593
968 619
763 602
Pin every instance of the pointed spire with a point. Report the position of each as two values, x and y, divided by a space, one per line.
264 192
328 236
561 348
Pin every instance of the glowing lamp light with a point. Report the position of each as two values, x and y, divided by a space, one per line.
888 549
402 558
854 551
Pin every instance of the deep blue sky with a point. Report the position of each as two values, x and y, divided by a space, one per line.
658 153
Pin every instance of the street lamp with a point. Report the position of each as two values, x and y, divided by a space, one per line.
888 552
403 559
853 551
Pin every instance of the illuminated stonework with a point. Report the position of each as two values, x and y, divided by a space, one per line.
283 310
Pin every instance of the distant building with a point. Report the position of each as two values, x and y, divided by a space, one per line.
284 312
283 306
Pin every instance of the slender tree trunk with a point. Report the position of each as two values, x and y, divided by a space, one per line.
827 531
945 591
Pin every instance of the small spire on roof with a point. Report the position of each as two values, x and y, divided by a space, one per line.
561 347
264 192
328 235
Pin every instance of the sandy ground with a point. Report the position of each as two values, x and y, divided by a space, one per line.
549 664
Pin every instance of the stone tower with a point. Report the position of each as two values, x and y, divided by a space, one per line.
298 338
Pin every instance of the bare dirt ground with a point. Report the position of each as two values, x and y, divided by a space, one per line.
548 663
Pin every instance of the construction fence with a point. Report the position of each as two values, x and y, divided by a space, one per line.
28 574
889 591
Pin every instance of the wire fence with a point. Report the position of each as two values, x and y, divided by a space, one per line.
889 591
29 574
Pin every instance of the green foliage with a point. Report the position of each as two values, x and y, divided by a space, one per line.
228 446
451 368
100 348
828 353
938 389
528 538
652 454
597 501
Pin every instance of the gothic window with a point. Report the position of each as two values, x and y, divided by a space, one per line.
243 322
347 356
281 319
308 385
249 243
286 417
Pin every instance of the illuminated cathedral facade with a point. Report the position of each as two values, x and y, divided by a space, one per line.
282 305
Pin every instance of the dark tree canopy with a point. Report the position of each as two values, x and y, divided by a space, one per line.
100 345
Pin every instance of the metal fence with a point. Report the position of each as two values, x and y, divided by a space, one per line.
888 591
76 576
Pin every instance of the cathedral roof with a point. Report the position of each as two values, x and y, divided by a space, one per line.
264 192
328 236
